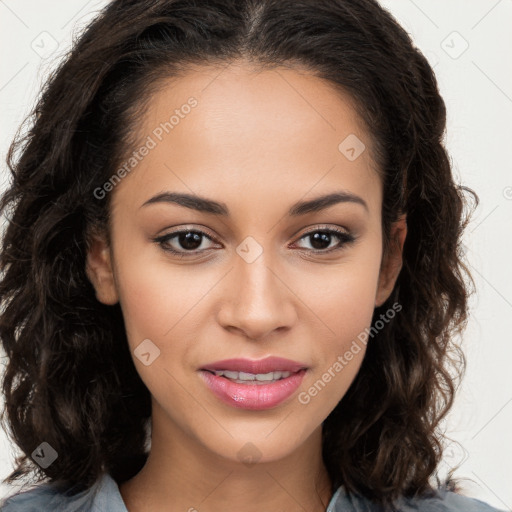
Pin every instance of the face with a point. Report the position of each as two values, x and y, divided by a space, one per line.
255 275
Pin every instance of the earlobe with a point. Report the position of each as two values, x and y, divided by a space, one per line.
99 270
392 261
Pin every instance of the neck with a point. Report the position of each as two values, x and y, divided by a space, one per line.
181 474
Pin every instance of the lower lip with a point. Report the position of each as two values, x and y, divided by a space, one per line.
253 396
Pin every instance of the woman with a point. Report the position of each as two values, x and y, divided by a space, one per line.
231 271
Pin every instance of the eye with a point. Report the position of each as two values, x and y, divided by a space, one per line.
321 240
190 242
183 243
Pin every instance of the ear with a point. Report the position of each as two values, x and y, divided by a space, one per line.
99 269
391 261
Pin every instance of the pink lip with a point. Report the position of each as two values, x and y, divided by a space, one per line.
253 396
269 364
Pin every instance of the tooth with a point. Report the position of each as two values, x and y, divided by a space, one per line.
265 376
246 376
251 377
230 374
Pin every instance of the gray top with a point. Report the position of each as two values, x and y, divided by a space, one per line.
104 496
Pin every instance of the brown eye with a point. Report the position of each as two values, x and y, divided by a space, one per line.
321 239
183 242
189 240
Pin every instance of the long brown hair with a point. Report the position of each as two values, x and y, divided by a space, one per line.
70 380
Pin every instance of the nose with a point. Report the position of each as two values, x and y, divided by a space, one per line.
257 300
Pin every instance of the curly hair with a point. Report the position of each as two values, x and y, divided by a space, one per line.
70 378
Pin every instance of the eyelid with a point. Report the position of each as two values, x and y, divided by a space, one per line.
324 227
198 228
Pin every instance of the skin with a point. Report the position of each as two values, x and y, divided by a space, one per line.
258 141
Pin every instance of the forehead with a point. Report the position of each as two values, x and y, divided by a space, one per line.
239 129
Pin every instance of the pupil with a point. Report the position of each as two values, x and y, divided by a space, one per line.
321 238
190 240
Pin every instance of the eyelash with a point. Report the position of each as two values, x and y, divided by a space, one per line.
344 237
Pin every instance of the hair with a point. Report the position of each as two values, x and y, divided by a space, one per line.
70 379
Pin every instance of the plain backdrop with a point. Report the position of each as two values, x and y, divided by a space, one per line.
468 42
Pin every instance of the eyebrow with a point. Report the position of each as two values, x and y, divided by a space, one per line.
203 204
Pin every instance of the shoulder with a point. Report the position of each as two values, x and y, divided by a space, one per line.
454 502
448 501
46 497
443 501
38 498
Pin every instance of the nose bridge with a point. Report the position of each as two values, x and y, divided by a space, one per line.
256 282
257 300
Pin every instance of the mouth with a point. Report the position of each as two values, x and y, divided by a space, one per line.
255 385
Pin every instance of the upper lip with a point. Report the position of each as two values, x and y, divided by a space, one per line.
267 365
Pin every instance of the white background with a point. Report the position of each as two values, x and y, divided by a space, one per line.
476 83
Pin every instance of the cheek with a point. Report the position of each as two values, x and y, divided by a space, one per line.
345 304
345 307
146 304
348 298
159 304
343 296
158 296
154 294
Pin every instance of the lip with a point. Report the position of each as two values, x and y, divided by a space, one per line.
269 364
252 396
